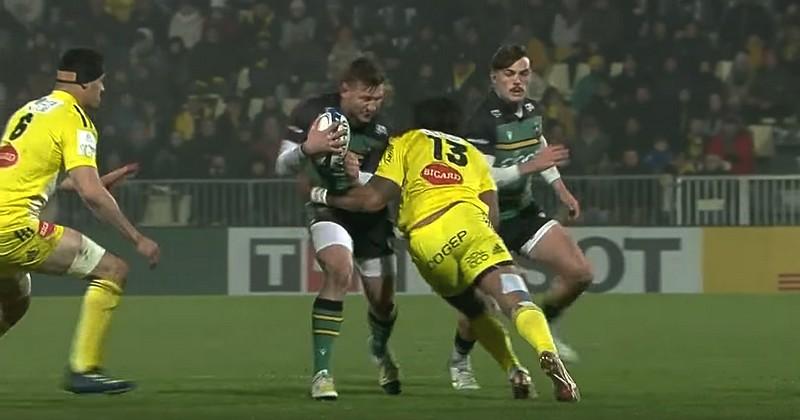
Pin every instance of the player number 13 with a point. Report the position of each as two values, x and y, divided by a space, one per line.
457 153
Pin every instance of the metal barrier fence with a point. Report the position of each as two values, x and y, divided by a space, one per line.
606 200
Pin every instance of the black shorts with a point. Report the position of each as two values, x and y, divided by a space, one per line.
521 228
372 233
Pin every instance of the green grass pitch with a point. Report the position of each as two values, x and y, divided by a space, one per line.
644 357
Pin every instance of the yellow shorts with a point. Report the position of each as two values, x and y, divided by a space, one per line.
25 245
456 248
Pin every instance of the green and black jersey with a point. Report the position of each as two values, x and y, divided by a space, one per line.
371 232
513 135
366 140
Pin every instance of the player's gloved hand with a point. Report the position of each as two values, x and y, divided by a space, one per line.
319 195
325 141
547 157
149 249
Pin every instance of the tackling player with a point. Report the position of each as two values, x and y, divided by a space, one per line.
41 137
448 208
507 128
340 236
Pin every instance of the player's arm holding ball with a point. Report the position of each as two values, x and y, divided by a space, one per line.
305 138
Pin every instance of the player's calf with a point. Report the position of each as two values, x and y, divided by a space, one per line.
14 300
509 290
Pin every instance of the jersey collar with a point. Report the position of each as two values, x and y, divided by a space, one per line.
507 108
64 96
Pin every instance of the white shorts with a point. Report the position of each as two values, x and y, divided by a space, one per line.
326 234
531 243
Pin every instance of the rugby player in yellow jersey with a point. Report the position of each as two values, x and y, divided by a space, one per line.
448 210
39 139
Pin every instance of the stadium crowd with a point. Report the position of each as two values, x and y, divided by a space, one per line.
201 89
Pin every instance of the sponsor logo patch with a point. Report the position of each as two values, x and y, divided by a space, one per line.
454 242
8 156
46 229
87 144
440 174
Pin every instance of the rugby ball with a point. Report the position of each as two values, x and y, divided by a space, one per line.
330 117
330 166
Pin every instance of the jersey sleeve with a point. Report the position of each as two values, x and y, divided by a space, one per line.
300 121
481 132
78 141
393 162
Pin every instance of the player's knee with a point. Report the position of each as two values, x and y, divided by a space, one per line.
340 273
580 273
115 270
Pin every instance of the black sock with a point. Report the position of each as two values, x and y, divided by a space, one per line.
463 346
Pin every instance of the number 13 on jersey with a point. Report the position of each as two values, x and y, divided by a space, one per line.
457 151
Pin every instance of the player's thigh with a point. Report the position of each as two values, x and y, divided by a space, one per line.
560 253
78 255
333 246
39 246
432 249
523 232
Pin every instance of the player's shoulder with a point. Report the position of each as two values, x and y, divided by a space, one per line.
531 106
317 104
378 129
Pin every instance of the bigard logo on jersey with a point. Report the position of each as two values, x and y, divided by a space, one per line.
440 174
8 156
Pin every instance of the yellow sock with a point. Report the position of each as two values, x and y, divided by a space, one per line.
101 298
494 338
532 326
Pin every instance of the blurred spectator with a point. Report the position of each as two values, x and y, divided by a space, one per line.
566 32
557 113
300 29
588 85
539 17
602 25
734 144
27 12
772 92
741 20
631 138
169 63
590 148
659 159
187 24
343 52
631 164
625 84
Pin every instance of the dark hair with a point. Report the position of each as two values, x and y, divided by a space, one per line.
364 70
507 55
439 113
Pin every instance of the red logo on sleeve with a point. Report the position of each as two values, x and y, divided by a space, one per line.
8 156
46 228
439 174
